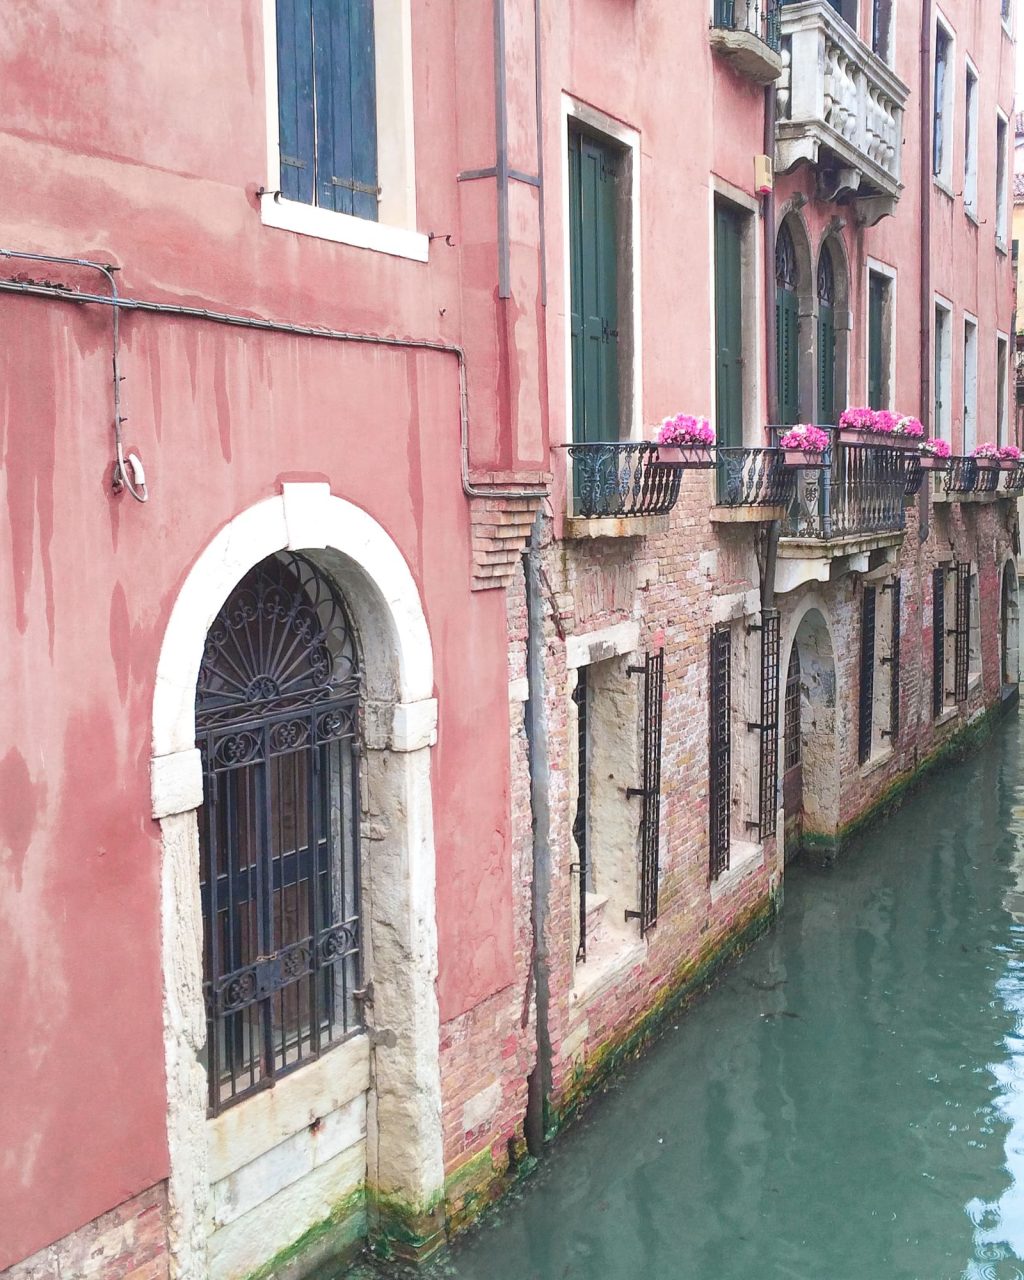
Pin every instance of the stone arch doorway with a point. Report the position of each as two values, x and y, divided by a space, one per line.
810 780
1009 632
349 1135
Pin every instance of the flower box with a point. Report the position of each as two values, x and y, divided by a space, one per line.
987 464
686 455
855 435
931 462
1008 464
802 457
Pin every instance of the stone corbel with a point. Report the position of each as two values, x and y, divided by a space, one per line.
872 209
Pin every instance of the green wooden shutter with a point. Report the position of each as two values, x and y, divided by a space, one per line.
876 348
593 250
826 363
728 326
295 99
346 106
786 324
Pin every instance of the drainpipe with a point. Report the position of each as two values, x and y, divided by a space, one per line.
923 497
539 1083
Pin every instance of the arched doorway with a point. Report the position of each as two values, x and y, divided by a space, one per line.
1010 626
810 758
294 702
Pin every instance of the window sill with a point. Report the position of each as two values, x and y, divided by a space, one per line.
971 217
943 186
342 228
875 761
744 859
580 527
605 966
944 717
1001 247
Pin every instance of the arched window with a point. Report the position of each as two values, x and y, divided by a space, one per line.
787 320
277 718
826 336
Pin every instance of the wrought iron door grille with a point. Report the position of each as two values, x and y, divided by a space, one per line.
769 725
653 672
894 660
867 674
277 715
579 827
720 749
962 630
938 641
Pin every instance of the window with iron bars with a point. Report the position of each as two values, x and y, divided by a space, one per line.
793 749
277 720
720 749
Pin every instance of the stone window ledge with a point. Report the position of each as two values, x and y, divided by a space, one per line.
579 528
605 966
744 858
875 761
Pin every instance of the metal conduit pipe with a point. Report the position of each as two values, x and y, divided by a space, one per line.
924 497
120 304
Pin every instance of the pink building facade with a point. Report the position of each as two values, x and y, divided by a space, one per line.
380 780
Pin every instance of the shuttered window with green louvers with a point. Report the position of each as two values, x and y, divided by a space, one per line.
594 175
327 104
787 317
826 338
729 325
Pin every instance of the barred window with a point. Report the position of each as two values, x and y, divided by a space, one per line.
277 715
793 752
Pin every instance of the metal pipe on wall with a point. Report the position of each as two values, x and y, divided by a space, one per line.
923 497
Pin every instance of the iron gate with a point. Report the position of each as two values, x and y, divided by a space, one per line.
720 749
653 672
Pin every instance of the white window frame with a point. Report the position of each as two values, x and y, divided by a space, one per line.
944 178
944 361
970 382
889 334
751 266
628 139
971 138
1002 181
395 233
1002 388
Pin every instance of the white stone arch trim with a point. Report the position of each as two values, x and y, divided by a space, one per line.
791 623
1009 628
304 517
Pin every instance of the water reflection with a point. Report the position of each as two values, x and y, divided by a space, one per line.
832 1108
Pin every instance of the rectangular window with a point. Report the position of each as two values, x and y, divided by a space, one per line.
867 675
1002 134
938 641
595 174
943 372
768 725
942 106
1002 376
895 634
729 230
962 631
971 144
881 28
720 749
327 104
970 385
880 337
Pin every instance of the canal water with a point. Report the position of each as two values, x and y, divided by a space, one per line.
846 1104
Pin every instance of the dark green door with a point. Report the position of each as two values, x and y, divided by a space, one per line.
787 319
876 346
593 248
826 338
728 326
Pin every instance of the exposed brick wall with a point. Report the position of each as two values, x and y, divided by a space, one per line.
500 529
128 1243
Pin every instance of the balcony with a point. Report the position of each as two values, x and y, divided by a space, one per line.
746 33
964 481
620 489
842 512
841 109
752 485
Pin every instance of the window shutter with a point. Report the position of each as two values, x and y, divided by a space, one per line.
786 323
867 673
826 364
579 432
876 378
728 326
653 672
720 746
938 640
346 106
295 99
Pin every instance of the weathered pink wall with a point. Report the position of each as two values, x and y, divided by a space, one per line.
128 139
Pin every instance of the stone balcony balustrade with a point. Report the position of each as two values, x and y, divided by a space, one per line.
840 108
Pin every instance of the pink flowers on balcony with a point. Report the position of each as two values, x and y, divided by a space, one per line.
935 448
684 430
910 428
809 438
865 423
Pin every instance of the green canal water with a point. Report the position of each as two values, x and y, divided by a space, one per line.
846 1104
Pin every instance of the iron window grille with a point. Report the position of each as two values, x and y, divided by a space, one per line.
653 672
938 640
767 728
867 674
580 698
793 753
962 631
720 749
277 719
895 588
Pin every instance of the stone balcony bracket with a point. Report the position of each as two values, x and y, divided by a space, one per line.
840 109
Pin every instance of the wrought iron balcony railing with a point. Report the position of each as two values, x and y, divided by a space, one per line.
840 108
761 18
859 489
963 475
753 478
915 474
621 480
